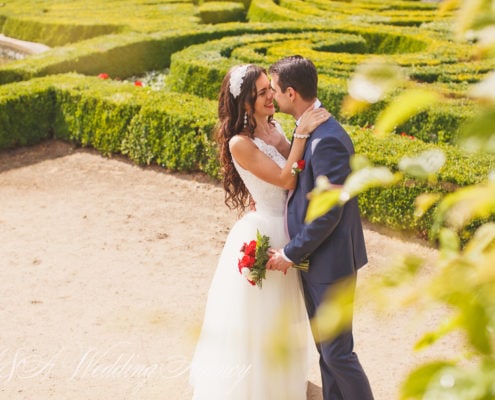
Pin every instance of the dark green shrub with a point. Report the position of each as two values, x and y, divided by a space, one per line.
55 34
113 117
164 134
268 11
394 206
217 12
26 113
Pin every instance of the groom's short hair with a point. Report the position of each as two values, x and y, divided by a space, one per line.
298 73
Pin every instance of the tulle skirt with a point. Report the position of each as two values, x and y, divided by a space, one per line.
254 341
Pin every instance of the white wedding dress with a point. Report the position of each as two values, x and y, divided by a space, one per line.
254 341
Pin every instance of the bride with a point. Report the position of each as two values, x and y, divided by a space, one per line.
253 342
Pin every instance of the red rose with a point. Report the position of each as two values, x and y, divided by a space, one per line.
246 261
301 164
250 248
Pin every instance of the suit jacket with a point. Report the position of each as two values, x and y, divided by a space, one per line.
333 243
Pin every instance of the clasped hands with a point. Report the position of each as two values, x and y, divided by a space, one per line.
277 262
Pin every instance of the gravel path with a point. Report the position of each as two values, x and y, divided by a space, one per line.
105 269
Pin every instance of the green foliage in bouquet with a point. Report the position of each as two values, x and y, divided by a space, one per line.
262 245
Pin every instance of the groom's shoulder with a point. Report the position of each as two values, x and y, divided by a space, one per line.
330 128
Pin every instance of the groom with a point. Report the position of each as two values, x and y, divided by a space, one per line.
334 243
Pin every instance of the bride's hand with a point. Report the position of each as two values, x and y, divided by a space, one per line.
311 119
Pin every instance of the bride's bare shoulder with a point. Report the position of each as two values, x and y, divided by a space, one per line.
242 149
240 143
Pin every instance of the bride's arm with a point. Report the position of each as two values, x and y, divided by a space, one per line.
249 157
247 154
309 121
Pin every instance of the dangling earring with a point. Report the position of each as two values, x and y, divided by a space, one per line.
245 119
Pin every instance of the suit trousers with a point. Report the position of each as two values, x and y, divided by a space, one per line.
343 377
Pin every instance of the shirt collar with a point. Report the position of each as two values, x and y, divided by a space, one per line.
316 104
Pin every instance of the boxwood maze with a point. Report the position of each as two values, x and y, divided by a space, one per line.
52 94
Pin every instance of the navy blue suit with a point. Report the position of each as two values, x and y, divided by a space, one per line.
334 245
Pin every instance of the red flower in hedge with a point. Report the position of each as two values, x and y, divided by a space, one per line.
405 135
103 76
138 83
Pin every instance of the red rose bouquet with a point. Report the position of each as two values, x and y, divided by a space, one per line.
252 264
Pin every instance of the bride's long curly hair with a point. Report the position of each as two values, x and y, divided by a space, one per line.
231 113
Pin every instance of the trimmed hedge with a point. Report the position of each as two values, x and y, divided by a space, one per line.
75 19
217 12
117 55
394 206
399 13
125 54
199 69
19 107
153 128
113 117
55 34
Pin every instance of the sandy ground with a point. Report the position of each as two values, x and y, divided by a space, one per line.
105 268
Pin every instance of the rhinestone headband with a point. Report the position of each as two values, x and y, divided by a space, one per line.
236 78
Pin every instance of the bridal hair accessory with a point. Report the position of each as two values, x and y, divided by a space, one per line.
236 78
297 167
245 119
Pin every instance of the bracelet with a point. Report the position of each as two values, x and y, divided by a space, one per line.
297 136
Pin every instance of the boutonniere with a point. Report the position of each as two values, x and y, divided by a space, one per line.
297 167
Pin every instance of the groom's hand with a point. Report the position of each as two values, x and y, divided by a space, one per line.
252 204
277 261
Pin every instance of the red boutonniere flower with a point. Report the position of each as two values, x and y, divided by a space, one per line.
297 167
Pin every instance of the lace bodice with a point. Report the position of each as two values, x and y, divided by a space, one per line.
269 198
